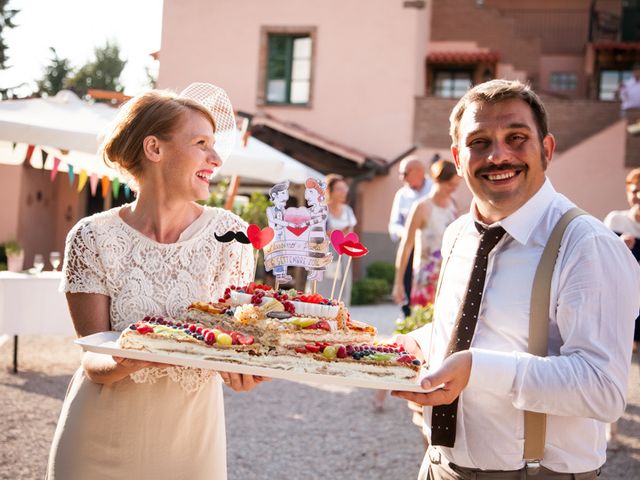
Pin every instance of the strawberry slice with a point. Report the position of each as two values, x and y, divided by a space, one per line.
312 348
144 328
321 325
245 339
301 349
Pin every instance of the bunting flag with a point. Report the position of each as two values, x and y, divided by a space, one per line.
54 170
93 183
115 187
82 180
44 157
105 186
71 174
30 150
127 191
13 146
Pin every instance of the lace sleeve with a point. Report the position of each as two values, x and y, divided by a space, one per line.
83 271
237 259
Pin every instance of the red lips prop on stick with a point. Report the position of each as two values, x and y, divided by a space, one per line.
259 238
348 245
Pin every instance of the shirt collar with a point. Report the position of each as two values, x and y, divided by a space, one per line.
521 223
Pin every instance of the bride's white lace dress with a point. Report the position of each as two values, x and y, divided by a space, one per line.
165 422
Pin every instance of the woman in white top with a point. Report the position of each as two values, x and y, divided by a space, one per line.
426 224
124 418
341 217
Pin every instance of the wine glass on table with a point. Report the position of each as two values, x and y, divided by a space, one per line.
38 262
54 259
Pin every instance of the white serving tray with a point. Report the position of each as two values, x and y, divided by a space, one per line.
105 342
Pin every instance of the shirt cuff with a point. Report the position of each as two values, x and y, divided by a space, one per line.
491 370
422 336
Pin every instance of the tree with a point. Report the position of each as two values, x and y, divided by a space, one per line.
103 73
6 21
56 75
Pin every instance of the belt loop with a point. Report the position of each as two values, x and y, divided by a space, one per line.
532 468
434 455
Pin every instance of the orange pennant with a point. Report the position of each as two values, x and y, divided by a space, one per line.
105 186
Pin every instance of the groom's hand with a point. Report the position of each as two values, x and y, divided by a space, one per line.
452 376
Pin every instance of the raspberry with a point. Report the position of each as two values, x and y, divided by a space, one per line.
192 328
210 338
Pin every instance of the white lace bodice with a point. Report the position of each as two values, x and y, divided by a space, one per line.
105 255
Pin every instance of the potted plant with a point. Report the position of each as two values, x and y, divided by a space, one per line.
15 256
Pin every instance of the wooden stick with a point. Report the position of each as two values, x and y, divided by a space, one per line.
344 278
277 285
255 264
335 279
232 190
314 287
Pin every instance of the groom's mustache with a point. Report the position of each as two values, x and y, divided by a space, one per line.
229 236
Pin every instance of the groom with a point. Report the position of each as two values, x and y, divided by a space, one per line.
475 420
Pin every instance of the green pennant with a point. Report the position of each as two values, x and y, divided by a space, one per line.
115 186
71 174
127 191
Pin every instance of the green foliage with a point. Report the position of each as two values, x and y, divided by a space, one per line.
255 210
218 194
384 270
56 75
6 21
12 247
103 73
419 316
369 290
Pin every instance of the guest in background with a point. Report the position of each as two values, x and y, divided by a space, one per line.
425 227
416 187
626 224
341 217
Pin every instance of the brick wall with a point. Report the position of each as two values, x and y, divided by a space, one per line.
571 121
464 20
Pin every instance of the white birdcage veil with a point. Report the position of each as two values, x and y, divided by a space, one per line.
215 100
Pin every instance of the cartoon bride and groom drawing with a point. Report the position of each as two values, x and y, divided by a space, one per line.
301 224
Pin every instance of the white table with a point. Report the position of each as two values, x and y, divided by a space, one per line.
32 305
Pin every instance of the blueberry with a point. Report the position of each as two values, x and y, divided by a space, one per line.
229 311
200 337
132 326
417 362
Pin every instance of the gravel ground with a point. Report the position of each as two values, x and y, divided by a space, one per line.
282 430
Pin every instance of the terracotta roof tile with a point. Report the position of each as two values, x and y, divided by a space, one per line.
462 57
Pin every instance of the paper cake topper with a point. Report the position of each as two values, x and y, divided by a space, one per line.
300 234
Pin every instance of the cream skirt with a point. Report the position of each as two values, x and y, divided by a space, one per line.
139 431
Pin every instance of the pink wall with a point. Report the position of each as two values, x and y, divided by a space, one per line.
10 181
365 73
592 173
563 63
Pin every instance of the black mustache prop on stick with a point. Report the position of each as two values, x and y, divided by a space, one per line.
229 236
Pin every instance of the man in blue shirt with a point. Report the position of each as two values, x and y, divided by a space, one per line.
416 186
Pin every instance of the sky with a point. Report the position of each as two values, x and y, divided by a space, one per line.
74 28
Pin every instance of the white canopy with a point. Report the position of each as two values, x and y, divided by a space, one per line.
68 123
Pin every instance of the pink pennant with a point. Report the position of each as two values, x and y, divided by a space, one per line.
338 238
93 183
54 170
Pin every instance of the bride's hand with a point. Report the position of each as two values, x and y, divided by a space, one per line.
241 382
131 365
